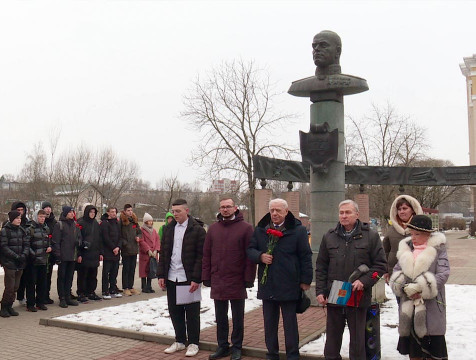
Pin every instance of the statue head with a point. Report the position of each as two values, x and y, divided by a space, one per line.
326 50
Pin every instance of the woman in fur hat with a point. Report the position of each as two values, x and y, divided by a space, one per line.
149 247
419 280
404 207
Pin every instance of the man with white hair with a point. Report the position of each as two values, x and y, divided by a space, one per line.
344 252
280 247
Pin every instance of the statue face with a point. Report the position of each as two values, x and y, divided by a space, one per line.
325 50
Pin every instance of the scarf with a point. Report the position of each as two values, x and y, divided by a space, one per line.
417 249
149 229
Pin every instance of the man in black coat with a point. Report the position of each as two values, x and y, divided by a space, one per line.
90 253
50 221
111 246
343 250
281 248
66 240
180 264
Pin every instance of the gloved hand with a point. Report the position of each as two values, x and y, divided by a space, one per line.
207 283
58 261
412 289
249 284
151 254
23 258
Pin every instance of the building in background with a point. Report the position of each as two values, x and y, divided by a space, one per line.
224 186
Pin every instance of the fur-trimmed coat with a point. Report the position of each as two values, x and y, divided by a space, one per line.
130 229
396 232
427 274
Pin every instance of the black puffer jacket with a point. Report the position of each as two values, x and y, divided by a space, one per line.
337 260
66 239
192 250
91 233
14 247
292 260
111 237
39 242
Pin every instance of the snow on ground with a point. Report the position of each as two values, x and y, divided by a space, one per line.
152 315
460 330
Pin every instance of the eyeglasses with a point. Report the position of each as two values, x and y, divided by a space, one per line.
226 207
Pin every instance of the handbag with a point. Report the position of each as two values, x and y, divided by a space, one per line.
303 303
152 268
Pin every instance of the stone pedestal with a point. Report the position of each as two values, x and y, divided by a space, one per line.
327 189
262 199
292 197
364 212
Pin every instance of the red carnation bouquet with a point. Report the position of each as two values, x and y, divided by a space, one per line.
274 236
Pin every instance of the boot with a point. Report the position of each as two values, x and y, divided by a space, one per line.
149 286
71 302
4 311
11 311
63 303
144 285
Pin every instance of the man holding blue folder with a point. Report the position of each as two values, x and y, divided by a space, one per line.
351 252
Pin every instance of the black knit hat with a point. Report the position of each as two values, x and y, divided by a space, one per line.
12 215
421 223
66 210
46 204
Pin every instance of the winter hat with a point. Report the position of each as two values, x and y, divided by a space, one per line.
66 210
46 204
147 217
421 223
12 215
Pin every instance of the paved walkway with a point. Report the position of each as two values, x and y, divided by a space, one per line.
23 338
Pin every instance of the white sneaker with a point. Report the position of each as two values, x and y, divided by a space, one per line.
116 295
176 346
22 302
192 350
106 296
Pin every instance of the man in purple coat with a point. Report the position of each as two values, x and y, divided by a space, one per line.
226 268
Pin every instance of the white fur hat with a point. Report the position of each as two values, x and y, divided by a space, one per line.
147 217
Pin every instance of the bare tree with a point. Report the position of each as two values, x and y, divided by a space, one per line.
232 110
72 174
34 175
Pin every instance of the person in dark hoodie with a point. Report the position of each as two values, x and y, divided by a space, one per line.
35 271
50 221
111 244
131 234
226 268
66 240
14 250
90 254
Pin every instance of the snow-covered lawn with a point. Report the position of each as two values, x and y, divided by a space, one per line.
460 330
152 316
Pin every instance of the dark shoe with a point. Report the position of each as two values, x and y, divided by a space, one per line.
11 311
94 297
31 309
4 311
71 302
83 299
220 353
146 291
41 307
49 301
73 297
63 303
235 354
151 291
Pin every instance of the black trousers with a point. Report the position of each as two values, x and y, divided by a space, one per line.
291 334
87 279
11 281
335 324
49 271
178 314
110 269
65 278
128 271
35 277
238 318
21 287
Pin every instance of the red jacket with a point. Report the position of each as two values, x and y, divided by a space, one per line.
224 258
148 242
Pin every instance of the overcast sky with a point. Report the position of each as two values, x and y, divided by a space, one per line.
113 73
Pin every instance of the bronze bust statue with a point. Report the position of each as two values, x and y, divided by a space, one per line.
326 50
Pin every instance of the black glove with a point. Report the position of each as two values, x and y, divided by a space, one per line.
207 283
249 284
58 261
